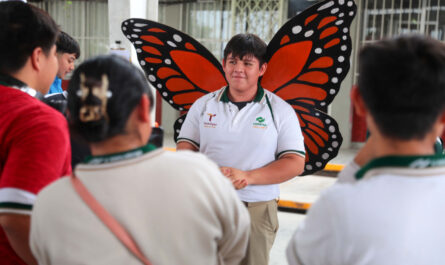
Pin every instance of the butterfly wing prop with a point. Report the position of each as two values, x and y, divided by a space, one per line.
308 58
178 66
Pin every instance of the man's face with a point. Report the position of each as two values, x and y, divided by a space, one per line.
242 74
50 65
66 63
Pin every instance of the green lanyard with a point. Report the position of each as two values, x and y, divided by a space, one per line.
95 160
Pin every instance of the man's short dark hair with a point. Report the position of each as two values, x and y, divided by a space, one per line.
23 28
66 44
244 44
402 82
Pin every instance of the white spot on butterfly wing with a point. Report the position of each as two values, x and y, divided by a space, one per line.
308 33
335 144
332 129
138 42
341 59
339 70
134 35
164 94
327 5
152 78
318 164
296 29
309 167
332 91
159 86
334 10
334 80
339 22
318 50
177 38
140 25
124 28
325 156
137 30
350 3
167 61
172 44
142 62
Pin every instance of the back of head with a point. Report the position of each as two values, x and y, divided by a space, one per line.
102 93
23 28
66 44
246 44
402 82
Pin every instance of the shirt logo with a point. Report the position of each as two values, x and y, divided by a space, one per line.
210 124
211 116
260 123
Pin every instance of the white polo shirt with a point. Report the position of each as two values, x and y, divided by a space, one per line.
250 138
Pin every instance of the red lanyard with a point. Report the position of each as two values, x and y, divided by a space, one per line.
115 227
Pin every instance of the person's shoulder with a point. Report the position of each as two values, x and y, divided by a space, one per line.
61 187
209 96
189 159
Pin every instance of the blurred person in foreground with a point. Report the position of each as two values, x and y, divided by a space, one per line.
178 207
34 139
393 213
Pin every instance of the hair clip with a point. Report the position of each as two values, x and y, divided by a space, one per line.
93 111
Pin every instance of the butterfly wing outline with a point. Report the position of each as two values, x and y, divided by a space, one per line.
178 66
308 58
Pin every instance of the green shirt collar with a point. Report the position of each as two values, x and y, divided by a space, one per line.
402 162
95 160
258 97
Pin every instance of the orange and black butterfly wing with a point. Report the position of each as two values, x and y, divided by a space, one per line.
178 66
322 138
308 58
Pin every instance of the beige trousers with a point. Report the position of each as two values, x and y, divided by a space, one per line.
263 229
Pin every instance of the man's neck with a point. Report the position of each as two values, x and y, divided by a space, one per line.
242 96
386 146
116 144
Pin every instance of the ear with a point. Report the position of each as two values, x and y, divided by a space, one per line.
263 68
36 58
144 109
357 101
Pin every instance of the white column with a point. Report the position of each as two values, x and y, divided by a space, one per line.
120 10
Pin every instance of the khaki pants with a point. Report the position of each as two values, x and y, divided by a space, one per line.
263 229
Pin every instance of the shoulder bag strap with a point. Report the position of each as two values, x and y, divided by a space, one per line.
116 228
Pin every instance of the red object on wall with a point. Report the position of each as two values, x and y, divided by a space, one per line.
65 84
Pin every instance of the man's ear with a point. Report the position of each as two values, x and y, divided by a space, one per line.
357 101
144 109
263 68
36 58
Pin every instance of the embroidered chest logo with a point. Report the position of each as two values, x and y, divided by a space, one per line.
210 124
260 123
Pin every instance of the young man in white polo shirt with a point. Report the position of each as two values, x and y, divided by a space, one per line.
252 134
393 212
